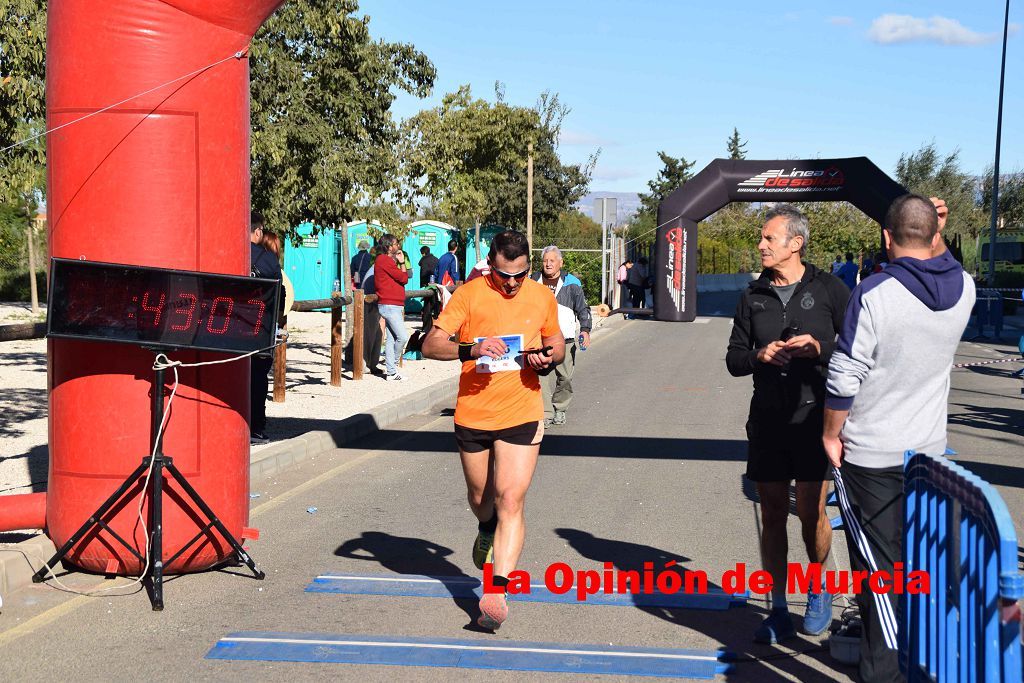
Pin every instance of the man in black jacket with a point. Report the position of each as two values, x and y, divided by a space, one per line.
263 264
783 334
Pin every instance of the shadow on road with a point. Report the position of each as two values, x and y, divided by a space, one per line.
407 555
573 445
988 418
18 406
731 628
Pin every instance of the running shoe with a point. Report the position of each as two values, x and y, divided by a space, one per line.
818 616
394 378
483 549
778 626
493 611
559 418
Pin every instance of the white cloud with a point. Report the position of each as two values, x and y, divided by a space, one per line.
841 21
574 137
890 29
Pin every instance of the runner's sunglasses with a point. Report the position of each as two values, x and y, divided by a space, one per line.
511 276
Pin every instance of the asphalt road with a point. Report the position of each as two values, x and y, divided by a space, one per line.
649 468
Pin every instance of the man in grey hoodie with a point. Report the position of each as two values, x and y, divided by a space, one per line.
888 387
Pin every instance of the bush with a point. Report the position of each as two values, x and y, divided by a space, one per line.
14 285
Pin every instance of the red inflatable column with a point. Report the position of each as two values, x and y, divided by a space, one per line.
160 179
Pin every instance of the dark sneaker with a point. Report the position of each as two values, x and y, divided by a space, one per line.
778 626
258 439
483 549
493 611
818 616
559 418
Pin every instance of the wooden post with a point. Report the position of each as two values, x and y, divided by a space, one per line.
337 335
469 266
32 260
280 354
346 282
357 334
343 268
529 196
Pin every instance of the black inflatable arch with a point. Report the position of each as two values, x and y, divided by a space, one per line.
855 180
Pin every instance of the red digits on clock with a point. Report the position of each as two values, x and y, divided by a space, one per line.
188 313
262 306
227 316
158 309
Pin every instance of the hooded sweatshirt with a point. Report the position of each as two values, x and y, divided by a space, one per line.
891 366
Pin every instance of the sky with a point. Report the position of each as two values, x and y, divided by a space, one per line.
798 80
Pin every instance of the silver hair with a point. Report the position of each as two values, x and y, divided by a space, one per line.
551 248
796 223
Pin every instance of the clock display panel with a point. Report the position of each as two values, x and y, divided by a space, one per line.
161 308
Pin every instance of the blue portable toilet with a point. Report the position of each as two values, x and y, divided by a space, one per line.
487 233
315 263
432 234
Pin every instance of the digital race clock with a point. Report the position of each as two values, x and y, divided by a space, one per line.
161 308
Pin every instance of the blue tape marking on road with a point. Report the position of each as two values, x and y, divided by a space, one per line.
410 585
469 654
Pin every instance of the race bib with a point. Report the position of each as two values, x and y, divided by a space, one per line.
512 360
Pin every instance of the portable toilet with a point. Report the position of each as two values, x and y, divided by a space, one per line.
315 263
487 233
359 231
432 234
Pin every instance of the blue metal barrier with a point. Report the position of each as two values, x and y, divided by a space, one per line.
957 528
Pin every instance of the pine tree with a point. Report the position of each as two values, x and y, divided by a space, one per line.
736 147
674 173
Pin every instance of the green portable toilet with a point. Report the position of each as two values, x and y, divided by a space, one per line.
432 234
315 264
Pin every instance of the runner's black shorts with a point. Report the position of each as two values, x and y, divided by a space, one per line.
786 453
475 440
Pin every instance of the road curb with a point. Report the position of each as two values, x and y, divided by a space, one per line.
283 454
19 561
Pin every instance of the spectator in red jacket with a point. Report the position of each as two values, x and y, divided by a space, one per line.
390 279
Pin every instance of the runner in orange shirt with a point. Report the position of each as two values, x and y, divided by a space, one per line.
504 329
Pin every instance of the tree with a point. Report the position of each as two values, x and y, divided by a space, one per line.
1011 198
734 147
323 140
23 102
462 154
674 173
571 230
556 186
927 173
640 232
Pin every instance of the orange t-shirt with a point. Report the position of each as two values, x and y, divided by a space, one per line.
499 400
